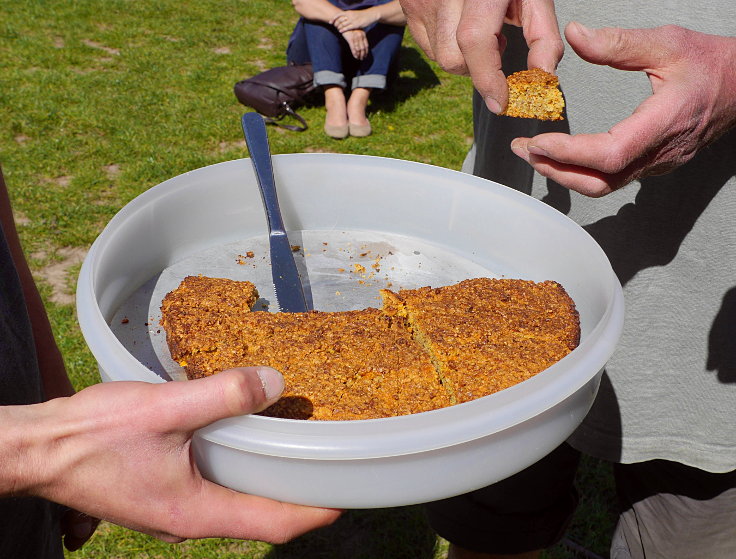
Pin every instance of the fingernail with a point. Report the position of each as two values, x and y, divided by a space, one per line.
493 105
517 144
518 147
537 150
272 382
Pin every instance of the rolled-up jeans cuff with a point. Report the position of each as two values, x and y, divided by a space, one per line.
328 77
370 81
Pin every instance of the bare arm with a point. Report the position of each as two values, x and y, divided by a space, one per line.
317 10
135 438
120 451
389 13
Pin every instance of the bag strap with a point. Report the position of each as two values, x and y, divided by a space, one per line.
287 110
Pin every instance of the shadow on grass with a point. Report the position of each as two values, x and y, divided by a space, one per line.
396 533
412 75
404 532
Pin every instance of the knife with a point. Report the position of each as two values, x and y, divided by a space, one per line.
286 281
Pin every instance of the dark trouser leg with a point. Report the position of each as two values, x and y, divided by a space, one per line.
528 511
326 46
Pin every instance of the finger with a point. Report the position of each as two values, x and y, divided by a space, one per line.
419 33
229 514
542 34
343 23
442 36
197 403
363 47
418 18
478 38
638 139
581 179
624 49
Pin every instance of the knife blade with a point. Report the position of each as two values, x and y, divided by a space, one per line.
286 281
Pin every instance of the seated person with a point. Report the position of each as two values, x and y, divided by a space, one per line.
348 37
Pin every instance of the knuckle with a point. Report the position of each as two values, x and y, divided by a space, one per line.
614 160
675 31
242 392
451 63
557 48
471 35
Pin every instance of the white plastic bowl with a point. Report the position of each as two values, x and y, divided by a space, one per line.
465 226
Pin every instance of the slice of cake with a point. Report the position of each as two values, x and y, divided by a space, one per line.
348 365
197 314
534 93
484 335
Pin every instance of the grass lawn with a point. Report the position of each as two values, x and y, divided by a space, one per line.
102 99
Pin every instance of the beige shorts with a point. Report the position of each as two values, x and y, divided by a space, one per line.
671 511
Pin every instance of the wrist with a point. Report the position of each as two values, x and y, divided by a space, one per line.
25 442
16 450
334 17
377 14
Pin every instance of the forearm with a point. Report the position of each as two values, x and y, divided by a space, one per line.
389 13
316 10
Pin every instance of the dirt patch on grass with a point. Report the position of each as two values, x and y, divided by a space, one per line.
20 218
96 45
265 43
260 65
112 170
56 274
62 181
224 147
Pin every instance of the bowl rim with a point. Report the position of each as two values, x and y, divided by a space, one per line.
358 439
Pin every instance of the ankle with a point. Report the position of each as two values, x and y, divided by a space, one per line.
357 105
335 106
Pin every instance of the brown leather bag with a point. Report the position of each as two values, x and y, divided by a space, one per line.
275 93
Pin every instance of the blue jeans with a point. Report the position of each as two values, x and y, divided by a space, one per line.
333 62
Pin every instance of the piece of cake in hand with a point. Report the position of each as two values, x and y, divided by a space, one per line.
536 94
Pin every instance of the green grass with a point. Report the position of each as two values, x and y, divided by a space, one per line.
101 100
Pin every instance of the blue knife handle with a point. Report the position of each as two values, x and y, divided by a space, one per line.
256 139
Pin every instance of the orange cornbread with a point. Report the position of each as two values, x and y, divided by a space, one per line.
534 93
426 349
484 335
192 314
348 365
